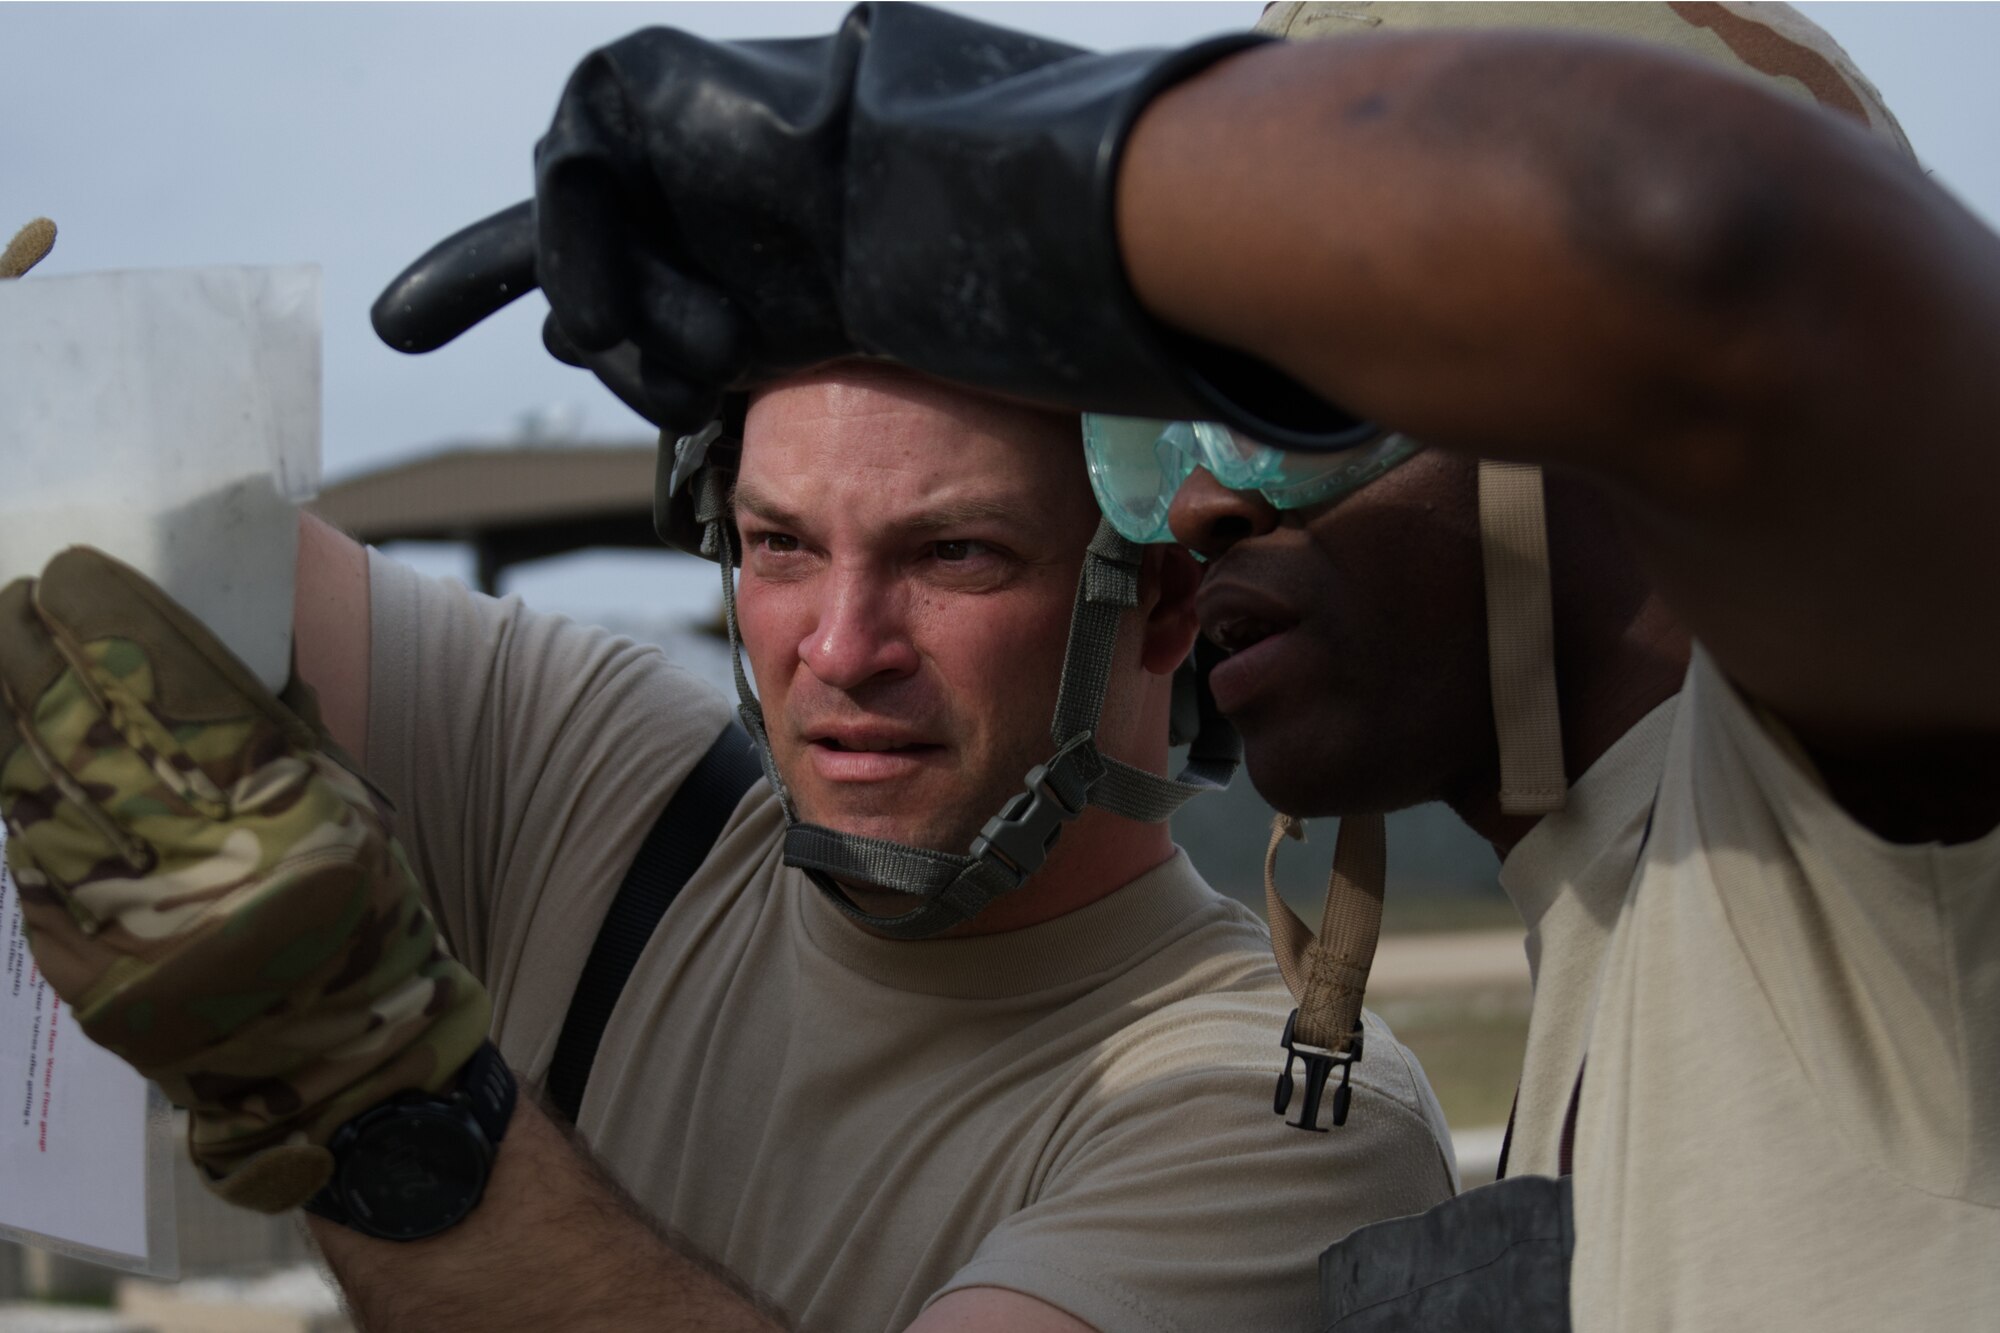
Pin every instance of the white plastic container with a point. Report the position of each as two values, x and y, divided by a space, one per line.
169 417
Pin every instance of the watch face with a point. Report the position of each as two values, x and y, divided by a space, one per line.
415 1172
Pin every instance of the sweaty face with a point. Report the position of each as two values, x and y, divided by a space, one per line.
910 555
1358 668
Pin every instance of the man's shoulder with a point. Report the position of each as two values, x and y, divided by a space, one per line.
1217 1013
1233 1036
426 624
1904 793
1828 952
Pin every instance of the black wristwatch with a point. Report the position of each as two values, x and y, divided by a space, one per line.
418 1163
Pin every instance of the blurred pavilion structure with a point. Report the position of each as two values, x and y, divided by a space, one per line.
508 505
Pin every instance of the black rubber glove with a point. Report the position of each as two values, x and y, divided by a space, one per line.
917 186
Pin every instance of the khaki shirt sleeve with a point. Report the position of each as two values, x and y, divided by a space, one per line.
1181 1204
527 756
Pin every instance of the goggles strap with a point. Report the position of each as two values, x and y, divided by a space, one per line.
1328 973
1520 637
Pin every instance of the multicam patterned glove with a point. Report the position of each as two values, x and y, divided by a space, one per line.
218 899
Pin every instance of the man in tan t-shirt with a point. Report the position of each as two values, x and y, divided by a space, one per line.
1057 1116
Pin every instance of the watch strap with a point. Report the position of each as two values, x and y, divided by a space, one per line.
490 1092
486 1090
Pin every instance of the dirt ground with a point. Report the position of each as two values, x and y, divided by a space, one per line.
1459 1000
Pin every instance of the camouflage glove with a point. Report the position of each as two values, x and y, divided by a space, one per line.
217 898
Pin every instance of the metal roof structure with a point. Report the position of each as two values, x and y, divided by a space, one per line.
510 504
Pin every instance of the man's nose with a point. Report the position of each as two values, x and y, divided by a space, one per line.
1208 518
861 634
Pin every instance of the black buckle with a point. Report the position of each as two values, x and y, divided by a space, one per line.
1319 1067
1020 836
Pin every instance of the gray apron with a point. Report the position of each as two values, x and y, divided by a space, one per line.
1493 1259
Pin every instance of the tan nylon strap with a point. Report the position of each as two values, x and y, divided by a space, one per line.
1328 974
1520 637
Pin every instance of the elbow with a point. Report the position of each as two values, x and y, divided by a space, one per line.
1702 240
1717 321
1737 279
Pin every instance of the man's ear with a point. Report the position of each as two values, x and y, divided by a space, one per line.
1168 580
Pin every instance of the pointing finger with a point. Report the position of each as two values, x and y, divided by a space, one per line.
459 281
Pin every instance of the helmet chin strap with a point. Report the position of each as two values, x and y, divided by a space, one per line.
1520 638
947 888
1328 973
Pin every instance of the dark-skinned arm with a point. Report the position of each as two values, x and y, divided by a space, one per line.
1767 335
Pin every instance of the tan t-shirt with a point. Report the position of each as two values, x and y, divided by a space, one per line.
1080 1110
1791 1113
1568 878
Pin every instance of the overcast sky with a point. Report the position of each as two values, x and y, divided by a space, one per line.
354 136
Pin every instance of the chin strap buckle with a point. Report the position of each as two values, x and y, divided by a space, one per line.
1319 1067
1018 839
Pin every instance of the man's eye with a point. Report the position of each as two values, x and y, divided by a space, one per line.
777 542
955 552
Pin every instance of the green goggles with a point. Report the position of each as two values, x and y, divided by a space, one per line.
1138 464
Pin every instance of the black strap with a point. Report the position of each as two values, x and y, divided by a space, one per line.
1507 1139
679 842
1566 1148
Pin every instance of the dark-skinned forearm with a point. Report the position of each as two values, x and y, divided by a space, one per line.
1459 232
1758 325
552 1245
